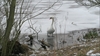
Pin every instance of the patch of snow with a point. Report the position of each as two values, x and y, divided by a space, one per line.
43 52
93 41
61 50
33 55
83 45
75 54
73 47
37 51
96 54
89 52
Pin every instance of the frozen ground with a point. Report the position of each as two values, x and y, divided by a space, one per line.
70 16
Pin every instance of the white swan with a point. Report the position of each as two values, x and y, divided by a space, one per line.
51 30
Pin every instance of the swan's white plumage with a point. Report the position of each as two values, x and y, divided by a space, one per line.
51 30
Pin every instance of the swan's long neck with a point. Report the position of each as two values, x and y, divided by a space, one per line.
52 22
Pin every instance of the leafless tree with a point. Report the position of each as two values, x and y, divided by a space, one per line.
35 30
13 13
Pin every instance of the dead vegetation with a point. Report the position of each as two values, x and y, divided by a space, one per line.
77 50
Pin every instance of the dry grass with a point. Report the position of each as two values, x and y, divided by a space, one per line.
82 50
78 50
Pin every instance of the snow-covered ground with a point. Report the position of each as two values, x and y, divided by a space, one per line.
69 15
89 53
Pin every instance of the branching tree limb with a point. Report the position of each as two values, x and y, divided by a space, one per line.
16 13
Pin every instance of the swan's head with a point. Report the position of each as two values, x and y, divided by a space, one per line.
51 17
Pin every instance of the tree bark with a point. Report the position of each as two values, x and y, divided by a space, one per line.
9 26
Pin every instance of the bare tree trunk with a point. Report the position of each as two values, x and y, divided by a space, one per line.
9 26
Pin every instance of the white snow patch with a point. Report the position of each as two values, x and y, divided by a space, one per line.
97 54
33 55
43 52
89 52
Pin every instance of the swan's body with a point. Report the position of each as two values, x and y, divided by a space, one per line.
51 30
